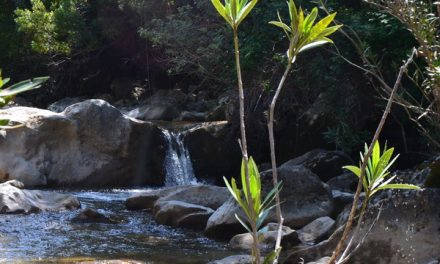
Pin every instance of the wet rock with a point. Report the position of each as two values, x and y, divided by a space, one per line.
407 230
181 214
324 163
346 182
145 200
89 215
89 144
204 195
237 259
317 230
14 200
304 197
269 235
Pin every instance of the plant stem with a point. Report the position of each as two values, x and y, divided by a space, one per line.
349 224
273 158
255 246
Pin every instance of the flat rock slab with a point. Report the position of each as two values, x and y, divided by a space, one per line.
146 199
14 200
317 230
181 214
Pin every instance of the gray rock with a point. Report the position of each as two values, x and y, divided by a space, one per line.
62 104
407 231
346 182
204 195
192 116
89 144
214 151
304 198
89 215
146 199
268 238
237 259
317 230
324 163
181 214
14 200
341 199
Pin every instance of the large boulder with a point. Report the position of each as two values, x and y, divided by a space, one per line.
204 195
407 230
324 163
214 151
14 200
304 198
181 214
89 144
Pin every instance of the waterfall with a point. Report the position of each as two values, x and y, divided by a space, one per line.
177 164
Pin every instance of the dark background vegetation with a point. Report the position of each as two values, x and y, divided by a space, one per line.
327 103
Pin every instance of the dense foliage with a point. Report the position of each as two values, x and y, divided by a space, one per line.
86 45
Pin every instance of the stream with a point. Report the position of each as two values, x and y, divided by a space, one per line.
51 237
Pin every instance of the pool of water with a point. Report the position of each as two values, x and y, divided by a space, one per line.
53 237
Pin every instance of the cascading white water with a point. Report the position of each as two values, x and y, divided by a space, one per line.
177 164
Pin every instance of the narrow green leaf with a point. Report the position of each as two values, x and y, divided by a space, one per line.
321 25
4 81
310 19
4 122
281 25
221 10
293 13
328 31
271 256
245 11
375 156
354 169
399 186
23 86
243 223
313 45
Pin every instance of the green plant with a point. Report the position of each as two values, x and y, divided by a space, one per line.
257 214
234 12
7 94
303 34
54 27
377 171
376 179
363 170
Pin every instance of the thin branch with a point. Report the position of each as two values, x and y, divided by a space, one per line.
366 157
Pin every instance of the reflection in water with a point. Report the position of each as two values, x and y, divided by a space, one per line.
52 236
